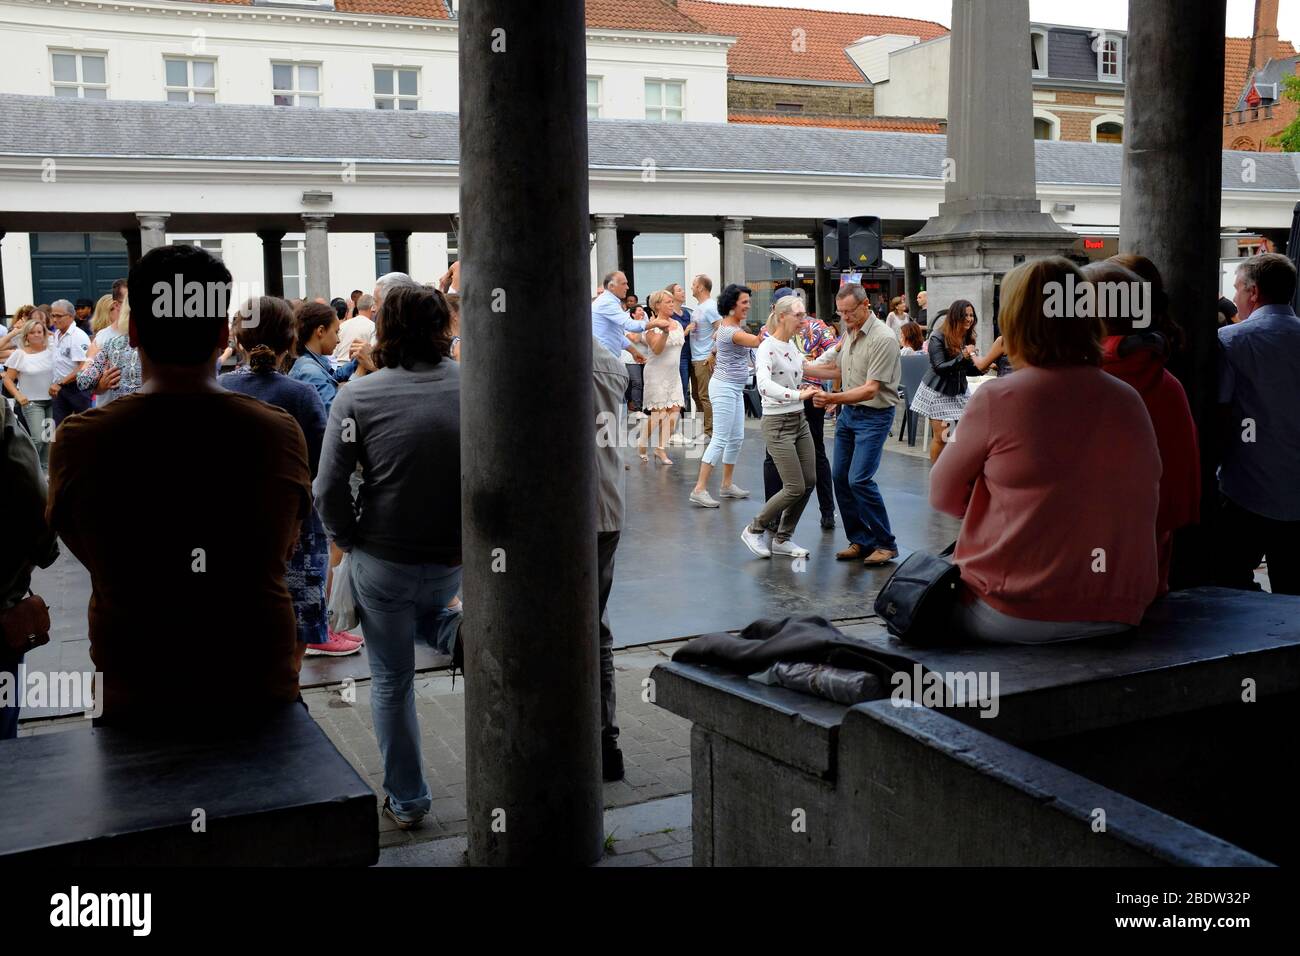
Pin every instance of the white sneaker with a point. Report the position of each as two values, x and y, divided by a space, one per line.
704 499
789 549
677 440
754 541
733 491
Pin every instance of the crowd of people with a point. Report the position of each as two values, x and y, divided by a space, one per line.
1076 468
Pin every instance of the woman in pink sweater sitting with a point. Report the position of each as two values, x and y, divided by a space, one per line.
1056 472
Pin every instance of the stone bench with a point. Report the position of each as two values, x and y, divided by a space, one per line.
1131 750
282 795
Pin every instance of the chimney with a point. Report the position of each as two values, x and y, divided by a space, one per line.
1263 45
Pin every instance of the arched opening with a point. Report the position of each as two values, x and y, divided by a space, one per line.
1109 133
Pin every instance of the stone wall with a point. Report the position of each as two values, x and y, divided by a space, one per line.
754 97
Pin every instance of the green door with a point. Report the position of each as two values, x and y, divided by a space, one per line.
75 265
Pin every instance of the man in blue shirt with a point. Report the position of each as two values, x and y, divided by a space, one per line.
1259 476
706 319
609 323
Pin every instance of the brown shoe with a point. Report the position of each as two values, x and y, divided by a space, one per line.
879 557
852 553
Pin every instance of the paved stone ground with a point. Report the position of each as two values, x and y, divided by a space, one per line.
655 744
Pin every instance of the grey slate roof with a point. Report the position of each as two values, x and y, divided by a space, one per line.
1274 71
64 127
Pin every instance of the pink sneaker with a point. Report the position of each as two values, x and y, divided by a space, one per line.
334 647
347 636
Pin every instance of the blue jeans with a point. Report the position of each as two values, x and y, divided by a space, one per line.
860 436
728 400
9 665
399 604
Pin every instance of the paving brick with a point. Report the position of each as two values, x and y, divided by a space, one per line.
630 859
673 851
646 842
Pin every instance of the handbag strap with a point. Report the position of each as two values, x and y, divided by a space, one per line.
948 551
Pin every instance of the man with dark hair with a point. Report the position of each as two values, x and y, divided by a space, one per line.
82 313
119 290
1260 391
167 576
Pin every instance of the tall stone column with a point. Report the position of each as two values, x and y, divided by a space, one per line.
912 281
317 248
1172 189
606 245
153 230
532 710
626 239
399 249
272 262
133 253
3 310
733 250
990 217
824 303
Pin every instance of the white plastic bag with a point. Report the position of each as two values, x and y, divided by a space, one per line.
342 607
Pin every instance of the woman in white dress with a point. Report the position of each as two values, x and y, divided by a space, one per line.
663 397
29 372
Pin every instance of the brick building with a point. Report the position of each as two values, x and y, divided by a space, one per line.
1253 108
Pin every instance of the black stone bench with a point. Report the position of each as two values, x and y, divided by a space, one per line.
1148 728
281 795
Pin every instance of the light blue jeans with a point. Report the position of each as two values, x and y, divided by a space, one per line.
728 400
399 604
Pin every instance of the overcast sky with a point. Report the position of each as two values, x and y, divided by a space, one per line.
1094 13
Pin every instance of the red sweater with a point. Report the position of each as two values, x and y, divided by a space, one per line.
1057 474
1180 482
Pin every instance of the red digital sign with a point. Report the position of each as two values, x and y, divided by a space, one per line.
1094 244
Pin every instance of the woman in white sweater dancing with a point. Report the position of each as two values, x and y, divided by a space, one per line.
779 368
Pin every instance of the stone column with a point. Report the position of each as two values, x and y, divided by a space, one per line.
532 713
1172 188
132 237
733 250
606 245
912 281
824 306
3 311
153 230
990 217
272 262
627 256
399 249
317 248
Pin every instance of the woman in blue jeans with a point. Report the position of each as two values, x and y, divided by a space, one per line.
403 531
733 360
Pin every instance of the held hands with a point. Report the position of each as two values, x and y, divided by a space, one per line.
54 389
822 399
808 392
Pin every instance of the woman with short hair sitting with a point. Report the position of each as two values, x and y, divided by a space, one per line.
1056 474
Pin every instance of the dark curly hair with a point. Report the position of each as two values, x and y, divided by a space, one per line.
413 326
730 296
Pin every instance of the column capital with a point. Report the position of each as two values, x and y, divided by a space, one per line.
271 235
735 222
317 220
153 220
607 221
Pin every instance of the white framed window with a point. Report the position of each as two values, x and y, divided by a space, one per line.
293 260
209 243
1108 59
1046 125
593 97
665 101
1108 128
190 80
658 260
295 84
81 75
1038 52
397 88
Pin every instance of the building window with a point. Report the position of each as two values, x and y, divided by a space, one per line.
397 88
83 75
1042 128
1038 52
664 101
593 97
789 107
295 84
1108 60
210 244
293 257
190 81
658 260
1109 132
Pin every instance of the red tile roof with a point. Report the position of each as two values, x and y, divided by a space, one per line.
764 38
897 124
1236 57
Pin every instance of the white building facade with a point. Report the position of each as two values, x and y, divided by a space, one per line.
303 54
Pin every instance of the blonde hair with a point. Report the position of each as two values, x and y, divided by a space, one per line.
1029 334
656 297
779 308
103 315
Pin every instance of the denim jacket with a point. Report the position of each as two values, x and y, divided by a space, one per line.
316 371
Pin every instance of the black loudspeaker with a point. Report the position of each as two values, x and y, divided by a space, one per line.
851 244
